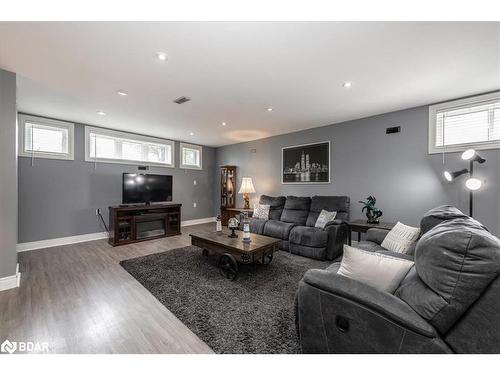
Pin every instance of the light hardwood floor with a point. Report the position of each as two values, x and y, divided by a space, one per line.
80 300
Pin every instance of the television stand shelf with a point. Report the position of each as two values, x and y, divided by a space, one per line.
135 223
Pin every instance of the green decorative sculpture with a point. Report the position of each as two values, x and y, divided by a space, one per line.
372 212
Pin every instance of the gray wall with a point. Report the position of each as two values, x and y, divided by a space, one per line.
58 198
395 168
8 174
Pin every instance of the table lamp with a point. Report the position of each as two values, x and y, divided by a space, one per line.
246 188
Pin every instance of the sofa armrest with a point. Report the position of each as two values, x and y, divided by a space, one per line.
335 222
383 303
376 235
338 231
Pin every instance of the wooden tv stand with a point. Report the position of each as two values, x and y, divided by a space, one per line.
135 223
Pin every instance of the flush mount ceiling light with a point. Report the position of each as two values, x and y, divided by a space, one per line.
161 56
347 84
269 109
122 93
191 133
224 124
101 113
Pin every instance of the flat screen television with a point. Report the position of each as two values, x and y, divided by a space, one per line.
146 188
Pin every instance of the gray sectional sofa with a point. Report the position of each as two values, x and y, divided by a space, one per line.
292 219
449 302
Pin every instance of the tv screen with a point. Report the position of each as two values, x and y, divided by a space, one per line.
146 188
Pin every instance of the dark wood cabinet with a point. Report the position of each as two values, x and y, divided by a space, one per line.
129 224
228 186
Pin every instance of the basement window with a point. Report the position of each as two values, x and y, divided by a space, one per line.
45 138
110 146
191 156
466 123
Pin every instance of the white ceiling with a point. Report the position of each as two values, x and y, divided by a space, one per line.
233 71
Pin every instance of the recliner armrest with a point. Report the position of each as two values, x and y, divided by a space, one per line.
335 222
376 300
376 235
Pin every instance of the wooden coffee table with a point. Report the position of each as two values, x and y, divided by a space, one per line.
232 251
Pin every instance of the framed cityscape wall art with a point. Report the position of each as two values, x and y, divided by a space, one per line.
306 164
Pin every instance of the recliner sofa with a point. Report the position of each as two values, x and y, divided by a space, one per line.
292 220
449 302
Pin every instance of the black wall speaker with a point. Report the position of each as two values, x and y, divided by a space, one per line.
394 129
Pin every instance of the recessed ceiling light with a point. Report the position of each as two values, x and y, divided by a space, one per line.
224 124
269 109
101 113
347 84
121 93
191 133
161 56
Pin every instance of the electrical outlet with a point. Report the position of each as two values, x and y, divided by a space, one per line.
97 211
194 204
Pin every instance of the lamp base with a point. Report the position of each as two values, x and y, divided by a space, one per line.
246 198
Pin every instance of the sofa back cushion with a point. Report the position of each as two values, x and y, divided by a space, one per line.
276 203
437 216
455 262
340 204
296 210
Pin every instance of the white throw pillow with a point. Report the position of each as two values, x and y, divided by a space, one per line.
400 238
377 270
324 217
261 211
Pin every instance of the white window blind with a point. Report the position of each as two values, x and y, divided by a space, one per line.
103 145
191 156
458 125
45 138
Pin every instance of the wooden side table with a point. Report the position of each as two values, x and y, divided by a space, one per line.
227 213
361 226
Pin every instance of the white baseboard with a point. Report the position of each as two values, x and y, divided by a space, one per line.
28 246
10 282
205 220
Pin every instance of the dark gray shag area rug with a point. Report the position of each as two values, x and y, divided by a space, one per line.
252 314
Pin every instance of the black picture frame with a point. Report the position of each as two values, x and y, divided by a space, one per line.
306 164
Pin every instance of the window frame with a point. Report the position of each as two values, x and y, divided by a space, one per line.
193 147
23 118
132 137
457 104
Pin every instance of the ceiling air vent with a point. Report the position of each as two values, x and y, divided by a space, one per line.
181 100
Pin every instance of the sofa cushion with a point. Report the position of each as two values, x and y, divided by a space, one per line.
307 251
257 225
261 211
437 216
276 203
278 229
296 210
369 246
309 236
455 261
340 204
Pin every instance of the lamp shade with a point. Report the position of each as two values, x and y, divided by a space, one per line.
246 186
